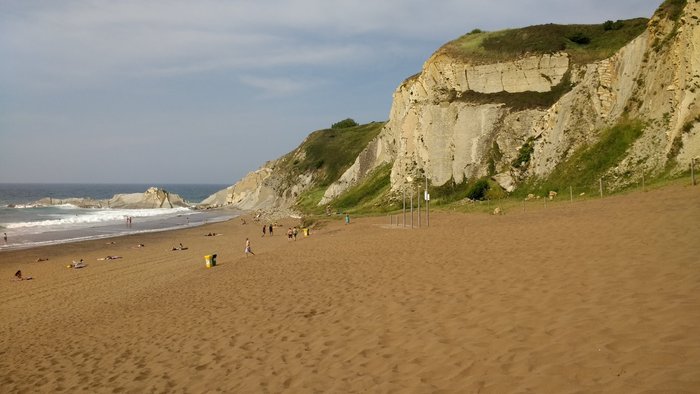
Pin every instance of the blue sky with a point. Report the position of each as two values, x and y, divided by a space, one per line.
205 91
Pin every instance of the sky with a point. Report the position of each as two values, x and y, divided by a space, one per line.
157 92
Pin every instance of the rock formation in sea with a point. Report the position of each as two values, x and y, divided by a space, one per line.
153 197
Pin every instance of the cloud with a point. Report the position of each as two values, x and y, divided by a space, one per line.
277 87
95 42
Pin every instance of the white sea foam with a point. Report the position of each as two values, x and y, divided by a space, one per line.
80 217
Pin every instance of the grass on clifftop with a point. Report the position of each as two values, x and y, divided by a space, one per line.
584 43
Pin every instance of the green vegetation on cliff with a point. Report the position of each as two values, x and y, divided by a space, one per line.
588 163
671 9
328 153
584 43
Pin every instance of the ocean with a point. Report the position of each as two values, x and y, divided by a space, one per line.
27 225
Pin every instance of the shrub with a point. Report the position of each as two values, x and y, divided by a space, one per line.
344 124
610 25
478 189
580 38
525 154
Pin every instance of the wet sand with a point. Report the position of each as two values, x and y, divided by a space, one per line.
595 296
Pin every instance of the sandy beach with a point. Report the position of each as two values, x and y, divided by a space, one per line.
594 296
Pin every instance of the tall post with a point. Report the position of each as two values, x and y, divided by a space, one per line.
571 193
419 207
692 170
404 206
427 203
644 188
601 187
411 207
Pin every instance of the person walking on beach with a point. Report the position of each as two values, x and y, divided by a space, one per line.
4 235
347 218
264 229
247 248
270 229
295 231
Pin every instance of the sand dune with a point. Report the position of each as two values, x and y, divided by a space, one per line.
596 296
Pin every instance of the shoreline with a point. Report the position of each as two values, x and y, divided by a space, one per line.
105 230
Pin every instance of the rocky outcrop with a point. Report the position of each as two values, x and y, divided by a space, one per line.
268 190
152 198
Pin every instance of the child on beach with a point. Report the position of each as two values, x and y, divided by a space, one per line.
247 248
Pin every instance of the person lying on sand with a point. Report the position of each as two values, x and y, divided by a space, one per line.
212 234
179 247
40 259
111 243
18 276
139 246
110 258
77 264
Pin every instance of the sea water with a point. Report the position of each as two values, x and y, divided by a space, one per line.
29 225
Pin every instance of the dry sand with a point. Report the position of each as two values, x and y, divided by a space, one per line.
596 296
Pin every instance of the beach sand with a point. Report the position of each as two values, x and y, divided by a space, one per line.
594 296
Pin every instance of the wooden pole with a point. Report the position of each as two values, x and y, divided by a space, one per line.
601 187
692 170
644 187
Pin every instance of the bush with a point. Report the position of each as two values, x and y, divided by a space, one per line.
478 190
344 124
610 25
524 154
580 38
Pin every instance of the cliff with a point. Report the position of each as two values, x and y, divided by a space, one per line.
525 105
457 120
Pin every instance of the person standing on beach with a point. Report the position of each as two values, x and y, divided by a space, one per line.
4 235
264 229
270 229
347 218
247 248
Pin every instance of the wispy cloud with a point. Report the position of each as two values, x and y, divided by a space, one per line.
92 42
271 87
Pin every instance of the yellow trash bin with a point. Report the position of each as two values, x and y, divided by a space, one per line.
209 261
306 231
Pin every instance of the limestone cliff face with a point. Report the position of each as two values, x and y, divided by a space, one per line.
437 129
271 189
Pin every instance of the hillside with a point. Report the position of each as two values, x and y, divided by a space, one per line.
518 111
302 174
